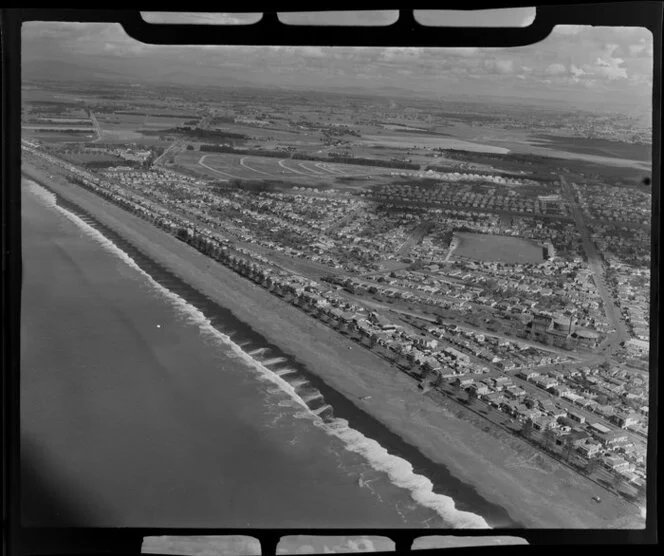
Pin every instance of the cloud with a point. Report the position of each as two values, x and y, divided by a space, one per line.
576 72
556 69
610 68
397 54
504 66
463 51
641 48
611 49
574 58
358 17
637 48
203 18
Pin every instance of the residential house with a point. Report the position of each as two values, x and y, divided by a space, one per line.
625 420
577 417
614 463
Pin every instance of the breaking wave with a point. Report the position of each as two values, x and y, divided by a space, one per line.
310 400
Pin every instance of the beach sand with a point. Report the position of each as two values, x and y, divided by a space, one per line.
539 495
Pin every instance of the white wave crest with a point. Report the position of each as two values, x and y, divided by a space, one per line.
399 471
313 396
274 361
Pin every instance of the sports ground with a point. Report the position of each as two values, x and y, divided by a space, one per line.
233 166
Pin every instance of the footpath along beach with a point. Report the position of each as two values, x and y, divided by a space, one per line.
540 496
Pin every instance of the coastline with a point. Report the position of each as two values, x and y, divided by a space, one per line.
531 495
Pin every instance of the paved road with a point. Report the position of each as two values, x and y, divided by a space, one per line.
172 146
595 263
415 237
96 125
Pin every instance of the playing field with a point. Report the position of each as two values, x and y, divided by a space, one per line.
504 249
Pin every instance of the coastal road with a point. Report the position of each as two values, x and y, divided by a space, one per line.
595 263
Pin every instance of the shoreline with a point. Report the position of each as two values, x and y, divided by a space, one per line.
402 456
539 500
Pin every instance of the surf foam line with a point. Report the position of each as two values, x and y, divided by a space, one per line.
399 471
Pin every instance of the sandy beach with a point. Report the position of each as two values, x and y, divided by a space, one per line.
534 489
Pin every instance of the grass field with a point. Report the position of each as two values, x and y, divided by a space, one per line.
504 249
232 166
57 137
597 147
415 140
92 157
125 128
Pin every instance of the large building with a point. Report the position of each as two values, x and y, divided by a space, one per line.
584 338
561 331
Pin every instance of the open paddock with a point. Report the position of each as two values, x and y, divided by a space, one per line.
158 113
597 147
60 121
59 129
135 121
422 141
58 137
92 158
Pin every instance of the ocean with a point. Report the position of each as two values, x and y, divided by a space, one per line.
145 404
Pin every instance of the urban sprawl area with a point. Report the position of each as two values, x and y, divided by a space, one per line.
515 284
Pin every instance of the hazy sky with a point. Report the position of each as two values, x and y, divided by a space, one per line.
585 66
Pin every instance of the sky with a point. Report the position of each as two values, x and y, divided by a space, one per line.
514 17
589 67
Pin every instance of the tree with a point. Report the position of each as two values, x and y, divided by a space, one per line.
592 466
472 394
617 481
527 429
567 449
549 438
